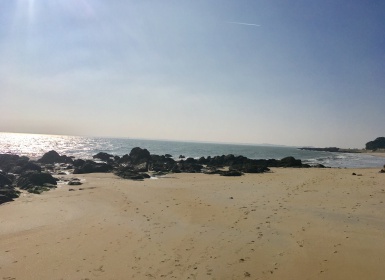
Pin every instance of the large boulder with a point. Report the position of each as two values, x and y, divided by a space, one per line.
6 159
36 182
4 180
139 155
24 167
290 162
53 157
9 162
79 162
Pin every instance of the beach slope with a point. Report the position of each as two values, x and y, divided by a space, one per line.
286 224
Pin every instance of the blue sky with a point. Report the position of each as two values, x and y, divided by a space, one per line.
298 73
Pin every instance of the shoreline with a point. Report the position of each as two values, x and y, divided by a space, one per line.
376 154
285 224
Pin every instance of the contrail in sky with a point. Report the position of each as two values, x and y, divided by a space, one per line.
244 23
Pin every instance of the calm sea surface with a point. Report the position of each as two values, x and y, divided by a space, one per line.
35 145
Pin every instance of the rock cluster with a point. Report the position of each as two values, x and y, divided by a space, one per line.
19 172
7 191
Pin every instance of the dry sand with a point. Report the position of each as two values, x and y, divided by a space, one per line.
288 224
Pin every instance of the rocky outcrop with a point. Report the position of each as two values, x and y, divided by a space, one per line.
290 162
139 155
134 165
53 157
162 163
7 160
103 156
78 162
128 173
188 166
90 166
4 180
24 167
7 191
378 143
36 182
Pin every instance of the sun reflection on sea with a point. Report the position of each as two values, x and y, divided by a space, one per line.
34 145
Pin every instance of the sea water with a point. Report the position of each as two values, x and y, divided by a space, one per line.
35 145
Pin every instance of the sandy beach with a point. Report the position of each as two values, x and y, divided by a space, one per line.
286 224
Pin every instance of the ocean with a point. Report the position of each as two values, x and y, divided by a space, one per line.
35 145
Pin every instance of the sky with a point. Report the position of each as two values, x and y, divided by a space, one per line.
297 73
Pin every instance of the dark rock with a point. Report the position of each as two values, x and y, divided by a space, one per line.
54 157
4 199
78 162
249 168
161 163
354 173
290 162
231 173
142 167
190 160
139 155
189 166
74 183
92 167
4 180
182 156
116 158
103 156
8 158
36 182
23 166
159 173
203 160
8 193
8 161
127 173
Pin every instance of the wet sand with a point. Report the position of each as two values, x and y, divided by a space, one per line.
287 224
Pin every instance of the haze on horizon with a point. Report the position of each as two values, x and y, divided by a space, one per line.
296 73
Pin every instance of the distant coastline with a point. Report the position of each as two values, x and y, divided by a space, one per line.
377 152
332 150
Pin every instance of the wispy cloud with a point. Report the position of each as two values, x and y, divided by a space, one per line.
244 23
